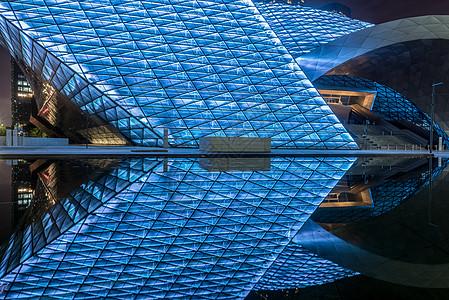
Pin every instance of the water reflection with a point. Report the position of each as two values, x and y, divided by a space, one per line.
221 227
5 202
220 164
406 243
38 185
374 186
154 228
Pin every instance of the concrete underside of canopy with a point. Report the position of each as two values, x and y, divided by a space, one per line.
410 68
407 55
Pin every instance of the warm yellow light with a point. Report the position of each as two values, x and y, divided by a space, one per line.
28 95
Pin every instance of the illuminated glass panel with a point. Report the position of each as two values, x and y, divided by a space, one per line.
199 68
298 267
302 29
155 229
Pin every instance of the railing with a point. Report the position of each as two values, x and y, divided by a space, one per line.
352 122
364 142
407 147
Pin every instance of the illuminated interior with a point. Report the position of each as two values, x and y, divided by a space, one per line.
348 199
340 97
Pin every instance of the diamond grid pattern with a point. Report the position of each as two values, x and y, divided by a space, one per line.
64 214
303 29
199 68
298 267
140 232
388 103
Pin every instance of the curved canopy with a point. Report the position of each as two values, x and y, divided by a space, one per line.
407 55
323 59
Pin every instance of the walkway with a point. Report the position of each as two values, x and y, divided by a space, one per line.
101 151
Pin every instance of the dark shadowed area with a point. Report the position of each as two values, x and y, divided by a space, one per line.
5 200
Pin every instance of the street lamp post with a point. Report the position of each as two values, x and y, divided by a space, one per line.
365 134
432 111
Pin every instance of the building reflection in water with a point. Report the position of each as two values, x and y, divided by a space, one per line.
374 186
186 232
211 228
39 185
404 242
22 189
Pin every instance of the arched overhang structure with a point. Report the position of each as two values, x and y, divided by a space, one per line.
407 55
327 57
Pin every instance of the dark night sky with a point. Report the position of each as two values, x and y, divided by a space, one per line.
374 11
380 11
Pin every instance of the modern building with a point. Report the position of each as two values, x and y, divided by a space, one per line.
232 69
191 73
21 98
124 72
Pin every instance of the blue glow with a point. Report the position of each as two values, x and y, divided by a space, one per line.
199 68
298 267
302 29
185 232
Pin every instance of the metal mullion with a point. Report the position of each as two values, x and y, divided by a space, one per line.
157 264
117 193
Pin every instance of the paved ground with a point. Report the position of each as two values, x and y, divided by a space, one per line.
101 151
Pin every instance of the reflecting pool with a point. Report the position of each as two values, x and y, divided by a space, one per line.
220 228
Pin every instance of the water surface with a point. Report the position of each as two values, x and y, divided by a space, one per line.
220 227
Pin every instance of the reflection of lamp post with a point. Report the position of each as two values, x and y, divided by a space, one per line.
87 129
432 109
429 202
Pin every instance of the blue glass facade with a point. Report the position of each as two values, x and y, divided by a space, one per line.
198 68
143 231
302 29
298 267
170 229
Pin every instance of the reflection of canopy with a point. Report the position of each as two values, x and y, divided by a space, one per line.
399 245
406 55
349 255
